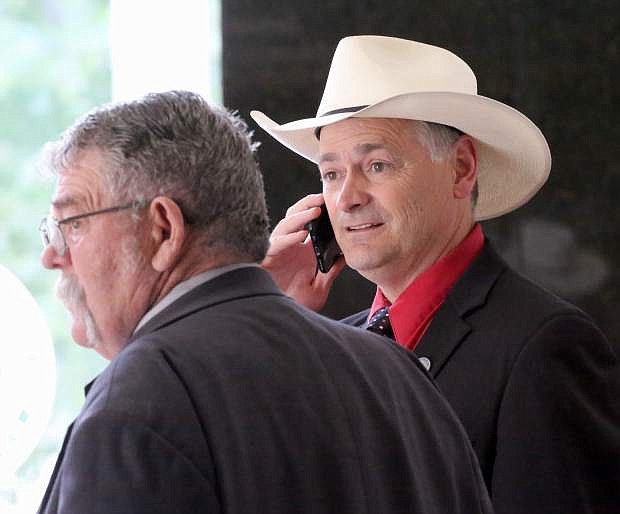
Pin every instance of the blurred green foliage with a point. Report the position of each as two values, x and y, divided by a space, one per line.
54 66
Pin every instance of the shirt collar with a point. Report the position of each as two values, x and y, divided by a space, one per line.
186 286
416 305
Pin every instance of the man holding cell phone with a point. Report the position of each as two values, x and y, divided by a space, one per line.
324 242
412 159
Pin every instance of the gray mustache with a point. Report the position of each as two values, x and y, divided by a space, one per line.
73 296
71 293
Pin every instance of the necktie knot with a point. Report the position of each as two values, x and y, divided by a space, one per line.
379 323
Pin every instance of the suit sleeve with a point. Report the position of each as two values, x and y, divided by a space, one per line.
114 464
559 424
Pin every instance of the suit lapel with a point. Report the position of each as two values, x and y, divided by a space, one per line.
444 335
449 328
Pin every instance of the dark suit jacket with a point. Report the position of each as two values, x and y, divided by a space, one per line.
537 387
235 399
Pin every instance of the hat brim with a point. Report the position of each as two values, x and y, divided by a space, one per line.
513 156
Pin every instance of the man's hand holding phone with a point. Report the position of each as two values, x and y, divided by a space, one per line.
324 242
292 261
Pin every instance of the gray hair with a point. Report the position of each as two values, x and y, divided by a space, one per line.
175 144
438 140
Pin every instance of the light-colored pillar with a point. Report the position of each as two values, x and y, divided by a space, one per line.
158 45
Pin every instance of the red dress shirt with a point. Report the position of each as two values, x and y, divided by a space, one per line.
413 310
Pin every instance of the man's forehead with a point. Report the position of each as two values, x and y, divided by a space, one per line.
375 130
360 149
64 200
364 135
78 185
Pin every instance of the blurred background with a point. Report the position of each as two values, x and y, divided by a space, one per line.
58 59
556 61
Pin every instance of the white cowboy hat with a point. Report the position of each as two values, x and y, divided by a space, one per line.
386 77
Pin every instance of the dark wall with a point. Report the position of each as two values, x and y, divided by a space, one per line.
556 61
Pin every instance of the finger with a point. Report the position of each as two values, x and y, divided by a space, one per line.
325 280
335 270
282 242
295 222
307 202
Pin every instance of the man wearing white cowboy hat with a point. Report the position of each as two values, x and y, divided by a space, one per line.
411 159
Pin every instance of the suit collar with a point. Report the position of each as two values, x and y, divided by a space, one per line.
449 326
239 283
187 285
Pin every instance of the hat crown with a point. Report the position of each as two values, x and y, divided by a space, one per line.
369 69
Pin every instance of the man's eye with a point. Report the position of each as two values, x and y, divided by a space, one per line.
378 166
329 176
76 224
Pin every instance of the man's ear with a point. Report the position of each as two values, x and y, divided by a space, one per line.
465 165
168 232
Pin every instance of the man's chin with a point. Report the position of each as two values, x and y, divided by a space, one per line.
362 261
80 335
371 267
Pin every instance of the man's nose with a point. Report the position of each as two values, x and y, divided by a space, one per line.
354 192
51 259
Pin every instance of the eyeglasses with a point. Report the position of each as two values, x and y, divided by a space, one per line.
52 234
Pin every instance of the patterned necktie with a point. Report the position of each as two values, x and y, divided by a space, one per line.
380 323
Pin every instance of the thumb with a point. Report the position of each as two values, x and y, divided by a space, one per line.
327 279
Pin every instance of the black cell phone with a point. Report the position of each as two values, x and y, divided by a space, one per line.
326 248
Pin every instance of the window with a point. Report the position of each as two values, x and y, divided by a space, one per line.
59 59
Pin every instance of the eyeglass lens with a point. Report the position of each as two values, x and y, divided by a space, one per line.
52 235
